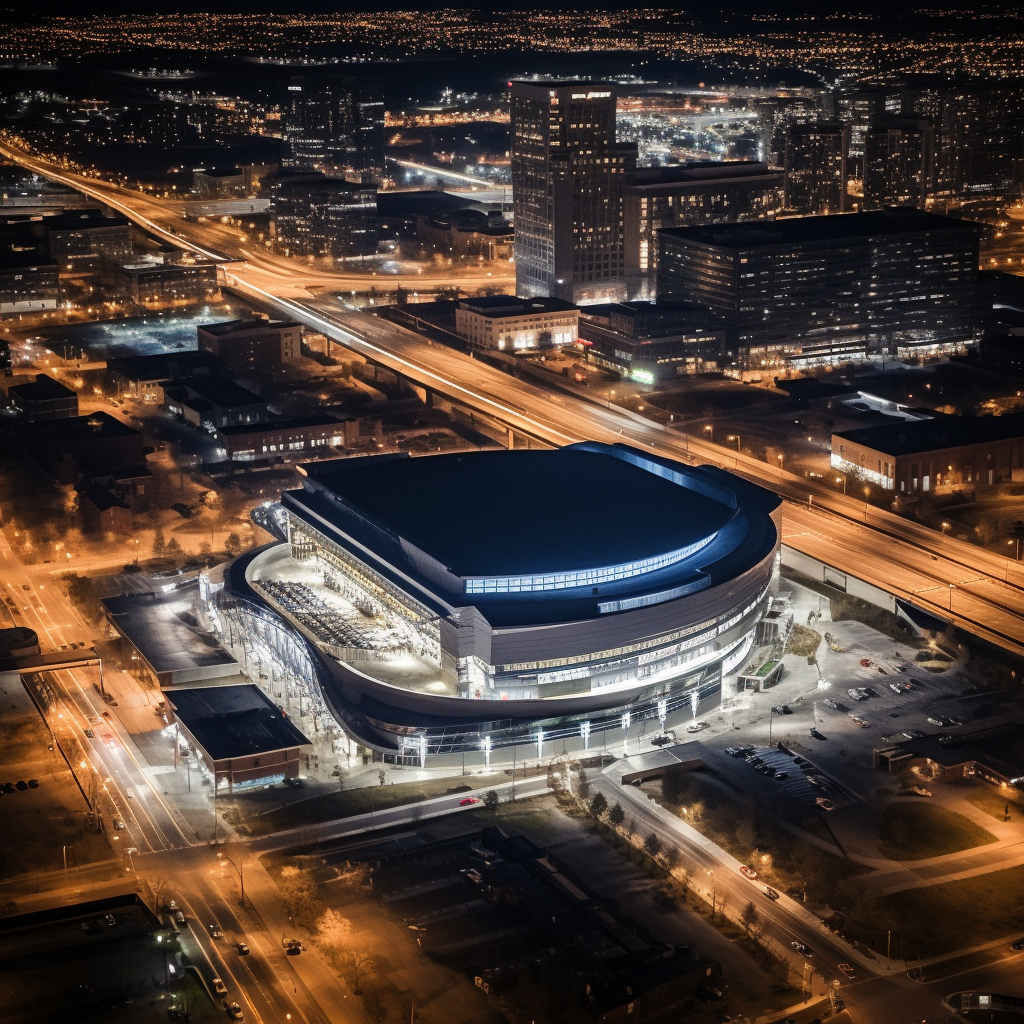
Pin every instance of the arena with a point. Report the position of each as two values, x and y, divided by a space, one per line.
455 604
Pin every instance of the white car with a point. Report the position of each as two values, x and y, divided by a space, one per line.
696 726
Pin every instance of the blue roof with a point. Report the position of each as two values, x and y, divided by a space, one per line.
512 512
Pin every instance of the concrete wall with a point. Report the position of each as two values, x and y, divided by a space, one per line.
824 573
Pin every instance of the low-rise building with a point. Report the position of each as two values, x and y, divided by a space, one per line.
103 511
144 376
1002 355
468 233
159 643
98 443
83 240
211 401
29 283
243 738
44 399
927 455
650 342
288 438
512 325
252 344
154 285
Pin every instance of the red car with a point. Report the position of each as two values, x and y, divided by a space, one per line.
748 872
468 800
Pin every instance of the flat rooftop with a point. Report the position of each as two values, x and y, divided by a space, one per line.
162 367
913 437
253 324
220 391
274 426
41 389
80 428
484 513
234 721
830 228
163 629
497 306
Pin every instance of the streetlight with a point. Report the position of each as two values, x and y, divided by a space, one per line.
952 587
867 494
771 716
780 458
710 431
241 880
736 438
842 480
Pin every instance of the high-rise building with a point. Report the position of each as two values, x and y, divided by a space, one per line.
816 288
335 124
899 164
695 193
815 158
313 215
568 173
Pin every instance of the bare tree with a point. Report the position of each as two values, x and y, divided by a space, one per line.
362 966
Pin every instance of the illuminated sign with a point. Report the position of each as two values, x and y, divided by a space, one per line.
643 376
591 95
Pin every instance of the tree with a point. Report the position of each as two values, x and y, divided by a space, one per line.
362 966
598 805
652 844
750 918
584 785
616 815
233 544
333 930
671 857
491 799
159 543
630 827
173 547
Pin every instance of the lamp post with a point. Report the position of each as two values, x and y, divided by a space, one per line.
952 587
842 480
736 438
710 431
771 716
241 879
626 718
867 494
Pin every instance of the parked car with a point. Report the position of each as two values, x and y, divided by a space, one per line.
696 726
748 872
466 801
782 709
219 987
770 893
847 970
800 948
779 776
825 804
1017 944
235 1011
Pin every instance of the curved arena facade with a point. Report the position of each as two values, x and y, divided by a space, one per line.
465 602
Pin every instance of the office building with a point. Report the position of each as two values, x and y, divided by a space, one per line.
246 345
938 455
509 324
44 399
467 234
29 283
155 284
899 164
816 167
696 193
568 173
651 342
83 241
460 620
335 124
820 288
313 215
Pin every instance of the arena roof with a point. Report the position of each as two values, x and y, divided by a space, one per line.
482 513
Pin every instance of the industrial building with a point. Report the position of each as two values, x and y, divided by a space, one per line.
284 439
155 285
461 620
211 402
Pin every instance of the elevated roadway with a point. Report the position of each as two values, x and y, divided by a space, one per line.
976 589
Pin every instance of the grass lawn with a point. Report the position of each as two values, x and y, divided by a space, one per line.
327 807
994 801
939 919
915 831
